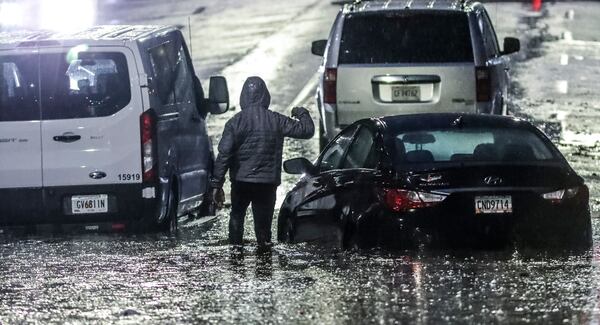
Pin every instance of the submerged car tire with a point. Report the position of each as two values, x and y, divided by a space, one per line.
170 223
284 228
172 216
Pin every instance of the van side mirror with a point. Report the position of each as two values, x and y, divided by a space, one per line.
318 47
201 102
298 166
511 45
218 95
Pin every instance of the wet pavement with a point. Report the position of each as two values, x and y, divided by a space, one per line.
196 277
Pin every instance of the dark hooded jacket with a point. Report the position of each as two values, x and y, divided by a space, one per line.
252 143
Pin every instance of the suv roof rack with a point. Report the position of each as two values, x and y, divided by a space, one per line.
351 5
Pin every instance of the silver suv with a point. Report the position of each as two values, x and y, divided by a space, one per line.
401 57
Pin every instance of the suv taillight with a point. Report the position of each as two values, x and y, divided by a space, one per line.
147 129
399 200
483 81
329 86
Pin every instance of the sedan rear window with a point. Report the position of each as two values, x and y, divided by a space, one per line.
405 37
469 145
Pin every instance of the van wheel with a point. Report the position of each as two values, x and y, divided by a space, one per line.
170 224
207 208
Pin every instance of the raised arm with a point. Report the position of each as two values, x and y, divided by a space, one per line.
302 127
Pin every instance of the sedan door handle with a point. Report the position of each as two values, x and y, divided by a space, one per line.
67 138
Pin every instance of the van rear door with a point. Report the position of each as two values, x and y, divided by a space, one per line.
91 107
404 62
20 148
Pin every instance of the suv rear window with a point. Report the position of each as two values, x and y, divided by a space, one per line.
70 85
405 37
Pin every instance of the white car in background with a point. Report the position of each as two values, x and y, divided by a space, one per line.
404 56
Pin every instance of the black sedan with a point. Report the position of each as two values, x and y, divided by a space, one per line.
438 179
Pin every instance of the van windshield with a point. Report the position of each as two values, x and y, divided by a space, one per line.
405 37
63 85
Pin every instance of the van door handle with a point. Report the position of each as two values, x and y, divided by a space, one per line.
196 119
67 138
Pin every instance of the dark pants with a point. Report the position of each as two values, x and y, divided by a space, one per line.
262 197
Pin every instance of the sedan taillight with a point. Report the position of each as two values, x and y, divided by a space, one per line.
558 196
330 86
399 200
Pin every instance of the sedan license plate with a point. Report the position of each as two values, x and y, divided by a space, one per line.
406 93
87 204
493 204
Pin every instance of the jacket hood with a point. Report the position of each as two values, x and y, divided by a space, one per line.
255 93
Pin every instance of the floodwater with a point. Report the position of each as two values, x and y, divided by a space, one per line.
196 277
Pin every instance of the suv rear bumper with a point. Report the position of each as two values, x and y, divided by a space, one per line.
26 206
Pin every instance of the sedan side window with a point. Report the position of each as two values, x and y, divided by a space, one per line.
362 151
333 155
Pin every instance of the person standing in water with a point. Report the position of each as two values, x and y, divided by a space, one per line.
251 148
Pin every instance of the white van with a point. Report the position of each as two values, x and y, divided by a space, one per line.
104 127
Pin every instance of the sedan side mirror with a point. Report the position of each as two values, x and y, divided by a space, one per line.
318 47
298 166
218 95
511 45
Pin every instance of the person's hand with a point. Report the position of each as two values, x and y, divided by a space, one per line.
298 111
218 197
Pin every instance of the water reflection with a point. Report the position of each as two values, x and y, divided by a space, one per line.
197 277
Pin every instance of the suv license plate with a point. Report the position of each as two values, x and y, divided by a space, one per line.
406 93
86 204
493 204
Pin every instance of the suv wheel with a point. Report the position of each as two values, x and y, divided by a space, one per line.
322 139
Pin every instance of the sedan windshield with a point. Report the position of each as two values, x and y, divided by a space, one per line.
469 145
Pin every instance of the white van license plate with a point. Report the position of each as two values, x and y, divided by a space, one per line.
86 204
493 204
406 93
